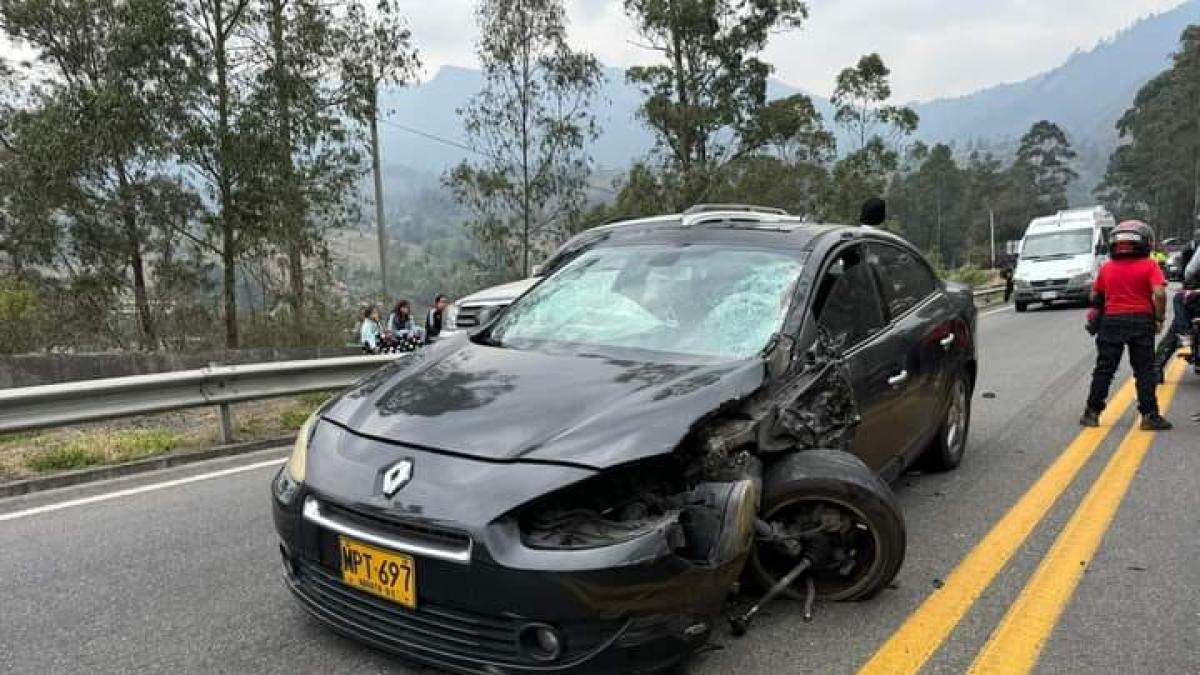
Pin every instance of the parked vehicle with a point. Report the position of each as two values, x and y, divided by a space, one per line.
1060 256
577 486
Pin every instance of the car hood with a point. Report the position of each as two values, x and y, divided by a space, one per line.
511 405
502 293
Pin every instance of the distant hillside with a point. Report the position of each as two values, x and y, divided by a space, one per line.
1086 95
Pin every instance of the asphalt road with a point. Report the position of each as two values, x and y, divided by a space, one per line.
185 578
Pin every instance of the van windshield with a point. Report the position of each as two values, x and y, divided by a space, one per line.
1057 244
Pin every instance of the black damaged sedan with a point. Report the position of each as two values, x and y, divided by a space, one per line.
687 404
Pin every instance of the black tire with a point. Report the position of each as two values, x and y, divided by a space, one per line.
1020 306
838 479
946 450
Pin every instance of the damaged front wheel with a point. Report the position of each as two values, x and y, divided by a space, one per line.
828 507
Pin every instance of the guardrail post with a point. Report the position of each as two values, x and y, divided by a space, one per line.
226 424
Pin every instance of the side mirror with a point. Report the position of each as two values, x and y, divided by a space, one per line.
537 270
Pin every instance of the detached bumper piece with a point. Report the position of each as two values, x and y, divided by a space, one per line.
466 642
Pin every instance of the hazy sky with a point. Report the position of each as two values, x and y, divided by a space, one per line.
934 47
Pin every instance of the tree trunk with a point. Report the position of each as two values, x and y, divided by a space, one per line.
141 299
380 230
686 141
526 104
291 209
229 253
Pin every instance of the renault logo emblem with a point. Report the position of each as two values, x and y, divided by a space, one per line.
397 476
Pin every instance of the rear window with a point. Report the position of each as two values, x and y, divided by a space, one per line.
905 277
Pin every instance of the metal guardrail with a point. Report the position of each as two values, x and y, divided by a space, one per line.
52 405
989 294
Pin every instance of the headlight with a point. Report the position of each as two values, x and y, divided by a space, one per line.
1085 279
291 477
712 522
1021 283
619 505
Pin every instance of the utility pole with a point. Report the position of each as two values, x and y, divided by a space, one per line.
992 229
380 231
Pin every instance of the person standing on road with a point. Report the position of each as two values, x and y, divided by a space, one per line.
1133 291
1006 273
433 320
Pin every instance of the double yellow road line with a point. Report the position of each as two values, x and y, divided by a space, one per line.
1018 641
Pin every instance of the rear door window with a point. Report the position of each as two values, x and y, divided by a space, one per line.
907 281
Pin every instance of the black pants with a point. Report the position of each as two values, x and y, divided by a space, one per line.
1184 308
1117 333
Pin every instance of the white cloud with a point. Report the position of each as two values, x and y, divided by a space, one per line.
934 47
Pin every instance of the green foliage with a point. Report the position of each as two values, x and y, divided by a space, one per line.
970 275
1043 167
158 152
63 458
876 128
20 317
861 96
96 135
104 448
1155 173
530 123
929 204
705 102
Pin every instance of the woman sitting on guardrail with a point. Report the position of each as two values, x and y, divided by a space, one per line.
402 333
369 333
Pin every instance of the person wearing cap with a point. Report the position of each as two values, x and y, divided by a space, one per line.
874 212
1132 291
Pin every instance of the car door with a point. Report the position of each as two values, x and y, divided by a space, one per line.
849 308
921 323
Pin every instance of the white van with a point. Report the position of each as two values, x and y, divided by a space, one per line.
1060 256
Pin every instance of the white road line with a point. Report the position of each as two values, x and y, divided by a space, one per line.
137 490
995 311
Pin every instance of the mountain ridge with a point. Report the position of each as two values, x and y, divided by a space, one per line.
1086 95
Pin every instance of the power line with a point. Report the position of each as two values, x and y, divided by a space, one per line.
461 146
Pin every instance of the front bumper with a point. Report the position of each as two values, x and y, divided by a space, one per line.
638 618
1052 294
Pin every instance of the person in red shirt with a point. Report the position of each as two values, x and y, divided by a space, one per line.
1132 291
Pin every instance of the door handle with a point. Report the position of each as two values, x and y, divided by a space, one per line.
898 379
947 341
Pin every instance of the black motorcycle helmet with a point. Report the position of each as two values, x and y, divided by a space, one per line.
1132 239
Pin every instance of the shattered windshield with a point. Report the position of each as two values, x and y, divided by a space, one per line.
1057 244
693 300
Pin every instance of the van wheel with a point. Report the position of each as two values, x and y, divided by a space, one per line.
1020 306
828 506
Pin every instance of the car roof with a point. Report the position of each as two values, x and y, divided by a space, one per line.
757 227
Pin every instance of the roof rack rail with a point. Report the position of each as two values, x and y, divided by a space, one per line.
709 208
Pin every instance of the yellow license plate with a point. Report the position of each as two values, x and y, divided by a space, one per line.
384 573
